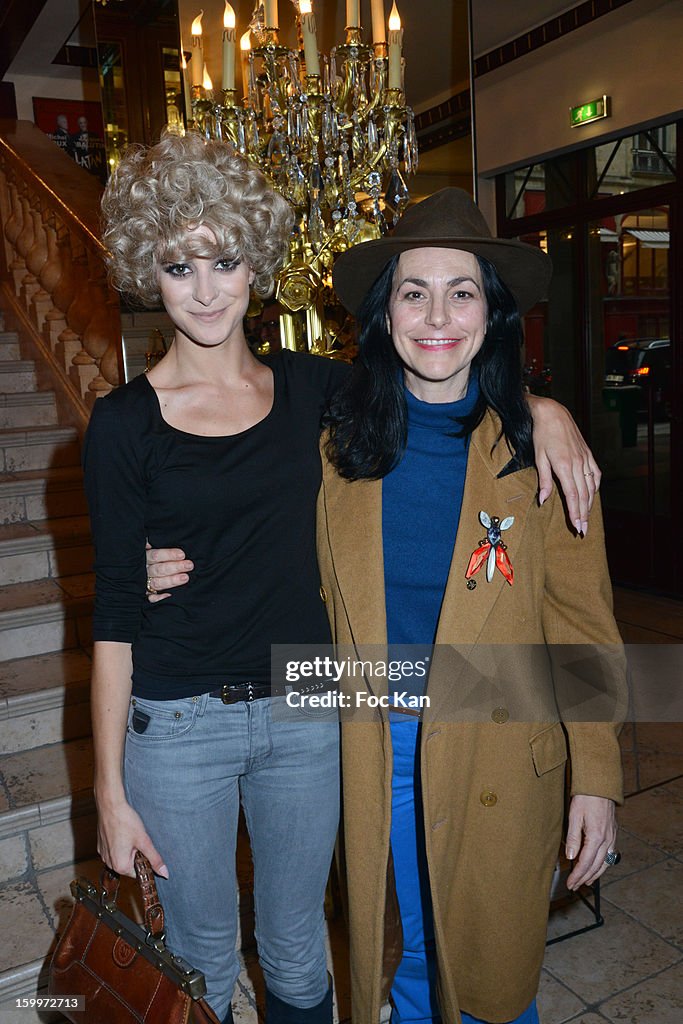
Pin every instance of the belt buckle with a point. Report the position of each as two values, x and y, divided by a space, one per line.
231 694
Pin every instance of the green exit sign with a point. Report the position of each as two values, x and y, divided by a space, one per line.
594 110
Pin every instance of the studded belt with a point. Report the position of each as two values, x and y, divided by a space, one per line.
233 693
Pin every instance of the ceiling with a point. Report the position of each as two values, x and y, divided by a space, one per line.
436 46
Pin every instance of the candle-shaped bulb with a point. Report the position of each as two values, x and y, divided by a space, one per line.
395 46
308 32
245 41
207 83
197 24
229 40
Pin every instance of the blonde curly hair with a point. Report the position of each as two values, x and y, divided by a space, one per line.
157 195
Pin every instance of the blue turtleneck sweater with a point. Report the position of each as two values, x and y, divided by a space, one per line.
421 501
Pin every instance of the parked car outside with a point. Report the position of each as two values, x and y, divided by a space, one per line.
645 362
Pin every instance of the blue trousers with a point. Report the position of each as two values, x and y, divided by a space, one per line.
413 993
185 775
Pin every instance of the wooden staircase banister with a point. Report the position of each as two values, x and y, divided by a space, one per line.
54 274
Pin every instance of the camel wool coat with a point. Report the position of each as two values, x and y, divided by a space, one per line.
493 782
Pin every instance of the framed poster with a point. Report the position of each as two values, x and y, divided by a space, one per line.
76 127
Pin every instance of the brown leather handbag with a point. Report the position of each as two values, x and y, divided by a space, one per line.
124 970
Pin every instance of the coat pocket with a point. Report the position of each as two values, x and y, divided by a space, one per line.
549 748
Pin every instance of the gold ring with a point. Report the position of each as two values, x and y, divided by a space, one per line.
150 588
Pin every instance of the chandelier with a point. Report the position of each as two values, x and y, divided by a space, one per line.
332 133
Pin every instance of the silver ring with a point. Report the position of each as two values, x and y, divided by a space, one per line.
150 588
612 857
589 473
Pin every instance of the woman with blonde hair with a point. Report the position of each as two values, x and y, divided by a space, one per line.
217 450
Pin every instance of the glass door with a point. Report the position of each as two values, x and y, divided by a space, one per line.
632 399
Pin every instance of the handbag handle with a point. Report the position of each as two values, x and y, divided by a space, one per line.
153 912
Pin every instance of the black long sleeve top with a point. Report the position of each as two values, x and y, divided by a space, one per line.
242 507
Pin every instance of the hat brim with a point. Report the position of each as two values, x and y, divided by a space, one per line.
525 269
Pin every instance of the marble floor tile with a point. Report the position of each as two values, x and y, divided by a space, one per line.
251 980
654 897
665 737
71 526
583 1018
47 726
27 933
13 857
43 672
10 1015
48 772
635 855
25 566
38 638
635 634
4 802
656 817
676 788
603 961
661 614
26 595
82 585
54 888
18 531
243 1008
658 767
658 1000
63 842
556 1003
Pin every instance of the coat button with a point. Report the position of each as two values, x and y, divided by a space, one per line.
323 594
500 715
488 798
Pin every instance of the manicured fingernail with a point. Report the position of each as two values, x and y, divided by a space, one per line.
571 853
163 871
577 525
584 527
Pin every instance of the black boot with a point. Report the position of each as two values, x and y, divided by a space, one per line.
228 1017
278 1012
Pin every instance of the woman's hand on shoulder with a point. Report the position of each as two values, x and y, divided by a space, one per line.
120 834
166 568
591 834
559 449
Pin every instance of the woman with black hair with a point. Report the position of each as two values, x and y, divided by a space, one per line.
431 541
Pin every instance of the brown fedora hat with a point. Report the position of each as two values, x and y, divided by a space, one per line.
449 219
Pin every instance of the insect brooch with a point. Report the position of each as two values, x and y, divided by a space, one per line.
491 549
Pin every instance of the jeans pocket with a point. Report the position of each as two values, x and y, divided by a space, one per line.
155 720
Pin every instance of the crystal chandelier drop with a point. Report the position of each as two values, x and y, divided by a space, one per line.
332 134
